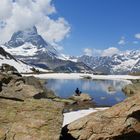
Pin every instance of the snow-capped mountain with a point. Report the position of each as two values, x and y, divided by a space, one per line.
123 63
30 47
6 58
29 43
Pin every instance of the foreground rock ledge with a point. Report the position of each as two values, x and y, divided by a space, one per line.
120 122
30 120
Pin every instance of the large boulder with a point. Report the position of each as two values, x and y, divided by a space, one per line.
30 120
13 86
120 122
40 85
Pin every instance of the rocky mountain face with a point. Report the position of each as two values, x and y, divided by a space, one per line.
29 43
123 63
7 59
30 47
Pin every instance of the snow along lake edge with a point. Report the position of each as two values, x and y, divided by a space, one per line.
82 75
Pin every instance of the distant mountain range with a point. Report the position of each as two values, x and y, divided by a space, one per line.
31 48
123 63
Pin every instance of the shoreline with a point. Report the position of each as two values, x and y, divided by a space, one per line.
82 75
71 116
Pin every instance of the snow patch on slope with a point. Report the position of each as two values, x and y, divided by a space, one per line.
21 67
67 57
125 66
26 49
6 58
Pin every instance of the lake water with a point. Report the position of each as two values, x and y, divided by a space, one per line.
103 92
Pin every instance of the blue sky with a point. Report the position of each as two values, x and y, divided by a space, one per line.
100 24
93 27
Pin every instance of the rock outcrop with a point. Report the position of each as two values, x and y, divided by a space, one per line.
120 122
30 120
39 84
132 89
13 86
22 116
81 98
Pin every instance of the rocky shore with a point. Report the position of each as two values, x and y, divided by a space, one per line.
120 122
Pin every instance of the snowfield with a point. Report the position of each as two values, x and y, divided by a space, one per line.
74 115
81 75
26 49
19 65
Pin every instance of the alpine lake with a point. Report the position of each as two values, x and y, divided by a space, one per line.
103 92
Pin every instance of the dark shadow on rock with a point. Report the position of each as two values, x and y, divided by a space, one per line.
39 96
6 80
14 99
135 115
65 135
0 86
79 106
130 136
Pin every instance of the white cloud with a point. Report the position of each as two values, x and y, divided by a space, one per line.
88 51
23 14
122 41
5 9
97 52
137 36
110 51
58 47
54 30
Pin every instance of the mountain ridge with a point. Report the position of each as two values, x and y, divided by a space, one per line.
30 47
122 63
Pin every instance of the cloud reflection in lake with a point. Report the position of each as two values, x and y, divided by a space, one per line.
104 92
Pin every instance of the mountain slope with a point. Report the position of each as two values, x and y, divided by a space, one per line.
6 58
